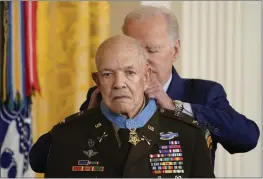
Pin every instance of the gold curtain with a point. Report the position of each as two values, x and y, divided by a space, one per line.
68 34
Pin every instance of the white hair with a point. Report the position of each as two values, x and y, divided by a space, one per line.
145 12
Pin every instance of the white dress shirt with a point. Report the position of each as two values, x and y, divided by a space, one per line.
187 106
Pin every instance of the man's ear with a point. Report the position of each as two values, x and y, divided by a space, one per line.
176 51
147 75
95 77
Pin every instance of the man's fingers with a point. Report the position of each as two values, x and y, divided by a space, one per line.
93 98
95 92
153 86
153 78
152 93
155 89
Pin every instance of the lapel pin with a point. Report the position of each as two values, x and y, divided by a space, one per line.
91 143
90 153
151 128
103 135
147 140
98 125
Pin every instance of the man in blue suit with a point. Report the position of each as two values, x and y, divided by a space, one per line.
157 29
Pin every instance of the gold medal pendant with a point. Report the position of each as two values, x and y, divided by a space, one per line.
134 139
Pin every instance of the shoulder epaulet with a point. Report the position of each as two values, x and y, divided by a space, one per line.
182 117
70 118
75 116
66 120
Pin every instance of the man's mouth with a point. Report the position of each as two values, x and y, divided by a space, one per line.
120 97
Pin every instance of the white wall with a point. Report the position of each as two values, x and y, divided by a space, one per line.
221 41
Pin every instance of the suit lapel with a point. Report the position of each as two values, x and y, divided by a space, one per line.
149 132
176 90
102 133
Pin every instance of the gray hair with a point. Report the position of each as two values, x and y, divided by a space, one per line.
145 12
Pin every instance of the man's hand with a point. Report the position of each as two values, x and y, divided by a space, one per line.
94 98
155 90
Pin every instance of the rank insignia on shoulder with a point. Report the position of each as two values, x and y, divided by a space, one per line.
189 120
62 122
195 122
70 118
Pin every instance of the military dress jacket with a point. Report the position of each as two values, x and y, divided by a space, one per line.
85 145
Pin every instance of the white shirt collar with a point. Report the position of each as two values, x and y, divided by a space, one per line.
167 84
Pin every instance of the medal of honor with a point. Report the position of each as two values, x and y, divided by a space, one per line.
133 138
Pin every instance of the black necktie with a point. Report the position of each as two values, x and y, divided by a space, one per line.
125 145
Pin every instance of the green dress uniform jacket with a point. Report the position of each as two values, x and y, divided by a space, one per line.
85 145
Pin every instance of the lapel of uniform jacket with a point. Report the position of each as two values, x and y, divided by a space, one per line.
102 133
149 136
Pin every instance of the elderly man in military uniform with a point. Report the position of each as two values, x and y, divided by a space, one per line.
127 135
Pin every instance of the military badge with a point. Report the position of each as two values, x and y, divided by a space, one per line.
87 162
87 168
147 140
168 135
134 138
151 128
91 143
90 153
208 139
169 158
98 125
103 136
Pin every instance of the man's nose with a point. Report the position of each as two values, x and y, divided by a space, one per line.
150 59
151 65
119 81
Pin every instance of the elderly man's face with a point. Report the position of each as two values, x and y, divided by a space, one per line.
122 78
153 34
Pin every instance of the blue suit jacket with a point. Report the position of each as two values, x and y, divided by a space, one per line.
211 108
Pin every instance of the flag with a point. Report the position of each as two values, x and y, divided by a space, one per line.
15 101
1 48
16 140
30 11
